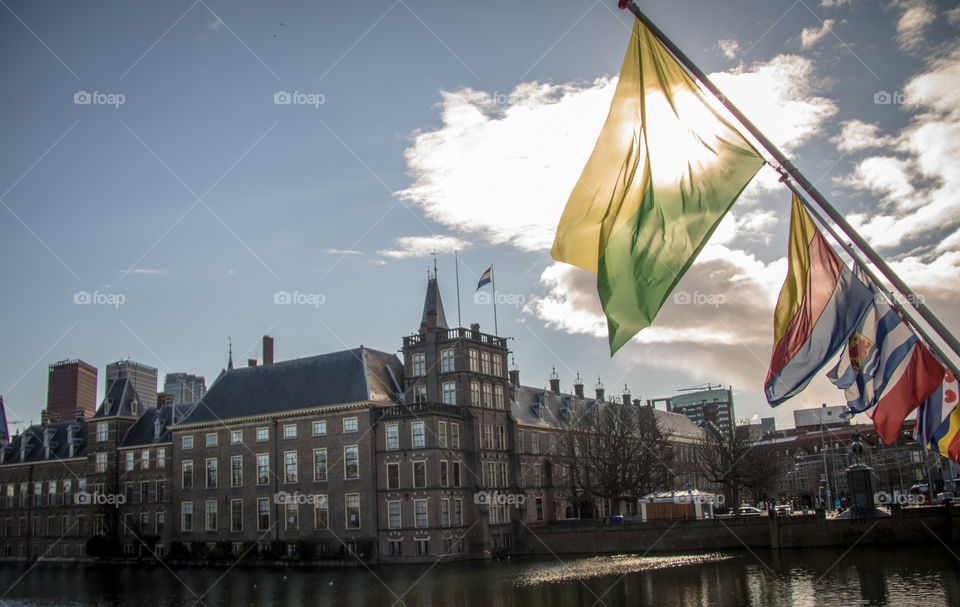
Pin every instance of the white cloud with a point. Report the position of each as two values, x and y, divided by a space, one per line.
729 48
423 246
811 35
917 15
857 135
343 252
145 271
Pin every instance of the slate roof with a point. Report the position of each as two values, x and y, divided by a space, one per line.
539 407
120 400
433 303
349 376
4 432
59 442
142 431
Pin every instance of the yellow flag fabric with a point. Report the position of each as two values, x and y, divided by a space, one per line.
665 169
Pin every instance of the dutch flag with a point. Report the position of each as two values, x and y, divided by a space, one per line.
484 278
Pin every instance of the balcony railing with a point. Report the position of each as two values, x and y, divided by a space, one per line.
416 409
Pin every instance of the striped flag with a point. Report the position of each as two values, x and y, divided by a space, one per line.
485 278
938 420
820 305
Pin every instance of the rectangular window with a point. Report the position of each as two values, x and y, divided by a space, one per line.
553 443
186 517
289 466
455 435
535 443
449 392
161 486
487 396
212 440
236 471
144 492
393 437
419 394
457 512
212 473
485 362
263 514
488 436
187 475
474 361
236 515
320 464
456 474
263 468
103 432
535 475
393 476
444 512
417 434
67 493
236 437
291 515
420 511
444 472
419 474
442 434
423 546
393 508
419 365
498 396
519 441
501 438
290 431
145 459
498 365
396 547
321 513
539 506
130 460
211 515
161 522
350 424
263 434
187 442
490 474
446 361
320 427
352 510
502 467
351 462
162 457
475 393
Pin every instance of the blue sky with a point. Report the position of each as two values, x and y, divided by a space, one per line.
184 191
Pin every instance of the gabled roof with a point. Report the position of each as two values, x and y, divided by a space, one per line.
143 432
122 399
433 303
58 434
4 432
343 377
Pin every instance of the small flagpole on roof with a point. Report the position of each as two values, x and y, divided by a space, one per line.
456 264
493 283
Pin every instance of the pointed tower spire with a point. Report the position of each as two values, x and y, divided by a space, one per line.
433 315
230 356
4 433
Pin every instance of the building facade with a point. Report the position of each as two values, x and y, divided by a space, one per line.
71 390
708 405
184 387
143 377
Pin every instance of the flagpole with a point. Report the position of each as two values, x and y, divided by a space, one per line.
493 284
456 264
787 169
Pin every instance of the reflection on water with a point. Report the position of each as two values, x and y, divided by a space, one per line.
919 576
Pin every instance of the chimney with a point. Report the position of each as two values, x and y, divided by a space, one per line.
626 395
578 386
599 390
475 328
554 381
251 362
267 350
515 377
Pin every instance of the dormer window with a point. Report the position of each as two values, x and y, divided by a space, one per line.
157 429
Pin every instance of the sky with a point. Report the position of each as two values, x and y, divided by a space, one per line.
170 172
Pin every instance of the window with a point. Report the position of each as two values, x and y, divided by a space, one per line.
498 365
393 476
423 546
352 510
487 395
489 471
145 459
291 515
289 466
456 474
236 437
488 436
393 437
321 513
161 522
393 509
211 515
419 394
519 441
319 464
474 360
351 462
498 396
350 424
475 393
187 475
263 468
103 432
187 442
52 493
553 443
162 457
444 472
416 431
449 393
290 431
263 434
212 473
263 514
320 427
446 361
485 362
236 471
535 443
212 440
442 434
444 512
419 365
501 438
130 460
535 475
161 486
419 474
396 547
455 435
502 467
67 493
186 517
420 512
144 492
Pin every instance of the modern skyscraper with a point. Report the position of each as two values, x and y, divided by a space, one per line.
707 404
184 387
71 390
143 377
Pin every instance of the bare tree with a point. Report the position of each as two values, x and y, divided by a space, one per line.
737 462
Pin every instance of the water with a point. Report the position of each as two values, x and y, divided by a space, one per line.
915 575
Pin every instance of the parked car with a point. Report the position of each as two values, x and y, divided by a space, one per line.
946 497
783 509
749 511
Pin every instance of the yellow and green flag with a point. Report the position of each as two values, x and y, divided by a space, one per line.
666 168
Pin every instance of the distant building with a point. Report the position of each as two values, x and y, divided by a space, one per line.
830 416
143 377
71 390
711 404
766 425
184 387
